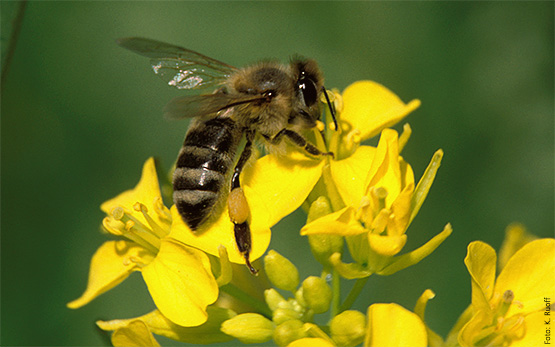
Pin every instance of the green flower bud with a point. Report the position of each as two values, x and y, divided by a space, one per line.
249 328
282 315
299 296
317 294
289 331
273 298
319 208
348 328
323 246
281 272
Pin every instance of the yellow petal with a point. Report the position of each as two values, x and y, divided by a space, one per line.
207 333
225 274
385 171
311 342
480 262
220 232
401 212
147 192
110 265
407 174
342 222
392 325
516 236
473 329
136 333
529 274
535 331
181 283
278 185
386 245
349 174
371 107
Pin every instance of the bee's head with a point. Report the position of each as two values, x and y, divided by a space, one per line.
309 86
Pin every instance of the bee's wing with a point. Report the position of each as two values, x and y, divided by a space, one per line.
206 104
179 67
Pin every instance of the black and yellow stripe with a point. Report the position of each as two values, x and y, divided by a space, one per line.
202 166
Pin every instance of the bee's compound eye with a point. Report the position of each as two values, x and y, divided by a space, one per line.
307 88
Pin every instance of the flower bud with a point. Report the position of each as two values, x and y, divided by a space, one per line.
281 272
282 315
273 298
321 245
319 208
348 328
249 328
288 332
299 297
317 294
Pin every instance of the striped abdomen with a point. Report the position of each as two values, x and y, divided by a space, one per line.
202 166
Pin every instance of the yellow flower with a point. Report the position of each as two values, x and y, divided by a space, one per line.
377 186
178 276
363 110
138 331
507 310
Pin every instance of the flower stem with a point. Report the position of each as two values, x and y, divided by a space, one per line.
353 294
259 305
336 294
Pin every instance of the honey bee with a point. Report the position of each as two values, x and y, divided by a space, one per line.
268 101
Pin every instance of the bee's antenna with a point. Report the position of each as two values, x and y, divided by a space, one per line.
331 107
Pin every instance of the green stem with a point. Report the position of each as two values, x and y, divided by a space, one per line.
336 294
353 294
258 305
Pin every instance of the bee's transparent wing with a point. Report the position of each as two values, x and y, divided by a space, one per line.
206 104
179 67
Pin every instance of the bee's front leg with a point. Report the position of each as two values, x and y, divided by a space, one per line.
238 207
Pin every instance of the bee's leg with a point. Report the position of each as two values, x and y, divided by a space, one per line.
300 141
238 207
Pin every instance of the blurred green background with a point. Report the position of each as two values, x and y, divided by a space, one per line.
80 116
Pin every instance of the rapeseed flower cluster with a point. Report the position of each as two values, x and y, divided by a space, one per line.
364 197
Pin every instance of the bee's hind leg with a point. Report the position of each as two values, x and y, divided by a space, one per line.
238 207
